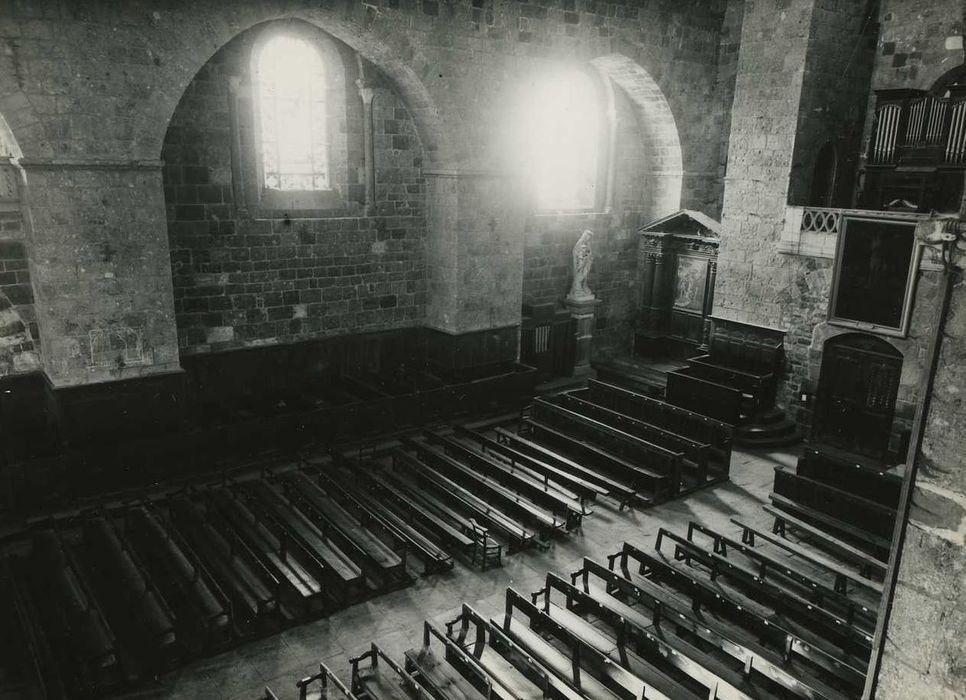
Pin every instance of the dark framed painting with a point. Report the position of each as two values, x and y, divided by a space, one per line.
876 265
690 283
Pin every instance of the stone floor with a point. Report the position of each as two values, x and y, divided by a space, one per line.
395 620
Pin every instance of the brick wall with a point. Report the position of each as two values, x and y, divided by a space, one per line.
243 276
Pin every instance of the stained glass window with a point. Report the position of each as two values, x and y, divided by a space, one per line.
290 87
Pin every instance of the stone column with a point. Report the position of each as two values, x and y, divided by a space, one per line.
367 94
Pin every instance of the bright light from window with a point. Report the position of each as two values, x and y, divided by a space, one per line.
562 128
290 83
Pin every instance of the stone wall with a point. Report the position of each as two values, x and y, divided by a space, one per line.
89 92
923 656
787 105
244 275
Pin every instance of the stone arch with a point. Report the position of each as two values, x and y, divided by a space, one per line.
371 38
658 126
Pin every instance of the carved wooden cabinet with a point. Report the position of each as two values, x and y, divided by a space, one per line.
677 260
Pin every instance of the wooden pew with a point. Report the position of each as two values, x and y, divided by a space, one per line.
75 628
669 663
866 563
842 575
837 629
382 563
372 510
448 676
328 686
687 389
870 516
435 518
296 568
882 486
624 494
585 670
695 455
655 605
873 544
201 609
343 575
382 678
539 469
717 434
509 527
513 672
251 588
778 633
781 572
135 609
564 505
510 502
646 463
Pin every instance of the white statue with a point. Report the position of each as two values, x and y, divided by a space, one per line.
583 258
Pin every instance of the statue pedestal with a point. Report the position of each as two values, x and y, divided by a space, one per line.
582 311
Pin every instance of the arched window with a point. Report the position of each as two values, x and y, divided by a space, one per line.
290 109
563 139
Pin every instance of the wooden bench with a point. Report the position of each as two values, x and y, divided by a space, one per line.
621 492
538 469
196 599
587 671
563 504
513 672
879 485
376 554
667 663
654 605
437 519
865 562
338 555
251 588
855 641
688 389
873 544
326 681
485 512
768 568
719 435
650 461
447 675
695 455
779 633
373 511
842 575
382 678
485 489
297 569
870 516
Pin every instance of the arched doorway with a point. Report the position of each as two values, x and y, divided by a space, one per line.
857 391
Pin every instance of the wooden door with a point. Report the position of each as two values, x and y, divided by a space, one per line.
857 390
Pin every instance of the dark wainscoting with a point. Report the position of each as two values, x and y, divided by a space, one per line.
231 408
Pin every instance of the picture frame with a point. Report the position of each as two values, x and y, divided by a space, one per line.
876 268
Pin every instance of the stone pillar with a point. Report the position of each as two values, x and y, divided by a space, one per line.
583 313
474 258
101 270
